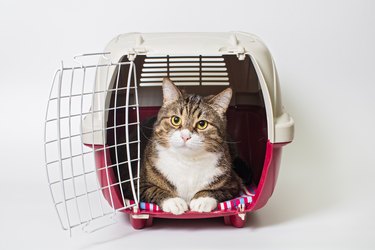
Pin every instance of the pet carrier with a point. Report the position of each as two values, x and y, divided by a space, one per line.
93 128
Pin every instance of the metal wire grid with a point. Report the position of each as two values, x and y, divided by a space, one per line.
72 167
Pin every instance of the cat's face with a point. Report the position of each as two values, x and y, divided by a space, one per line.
191 124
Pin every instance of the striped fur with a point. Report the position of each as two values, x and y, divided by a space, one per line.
197 170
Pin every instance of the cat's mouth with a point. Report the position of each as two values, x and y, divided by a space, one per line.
189 147
190 144
184 145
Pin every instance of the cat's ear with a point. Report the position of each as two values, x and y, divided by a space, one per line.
221 101
170 92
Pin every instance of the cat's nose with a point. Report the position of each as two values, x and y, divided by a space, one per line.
185 137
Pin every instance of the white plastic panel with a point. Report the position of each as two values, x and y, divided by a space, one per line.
185 44
284 128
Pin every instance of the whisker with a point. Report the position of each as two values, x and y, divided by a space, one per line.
147 127
144 134
232 142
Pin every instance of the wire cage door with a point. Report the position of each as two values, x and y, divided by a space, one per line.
82 184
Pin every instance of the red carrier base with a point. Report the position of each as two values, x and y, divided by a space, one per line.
232 217
235 218
140 222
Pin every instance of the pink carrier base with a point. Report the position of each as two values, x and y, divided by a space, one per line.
231 217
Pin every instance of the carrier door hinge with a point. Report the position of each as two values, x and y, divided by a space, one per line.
138 48
241 55
234 47
132 53
239 51
138 215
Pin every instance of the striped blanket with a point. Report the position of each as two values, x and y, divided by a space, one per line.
245 197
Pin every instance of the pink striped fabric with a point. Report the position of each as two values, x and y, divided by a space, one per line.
246 198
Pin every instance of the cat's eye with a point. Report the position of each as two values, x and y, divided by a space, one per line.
202 124
176 121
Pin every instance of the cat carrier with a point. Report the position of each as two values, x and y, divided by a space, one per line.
96 114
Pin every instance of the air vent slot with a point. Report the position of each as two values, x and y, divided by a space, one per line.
184 70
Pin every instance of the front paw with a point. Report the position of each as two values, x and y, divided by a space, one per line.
203 204
174 205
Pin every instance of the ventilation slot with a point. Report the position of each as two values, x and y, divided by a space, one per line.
185 70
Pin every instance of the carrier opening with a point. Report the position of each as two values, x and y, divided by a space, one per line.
202 75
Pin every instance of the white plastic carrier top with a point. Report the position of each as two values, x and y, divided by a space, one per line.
280 124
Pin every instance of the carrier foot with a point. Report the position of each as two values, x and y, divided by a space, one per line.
140 221
238 220
227 220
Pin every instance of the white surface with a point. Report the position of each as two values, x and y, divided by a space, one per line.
324 52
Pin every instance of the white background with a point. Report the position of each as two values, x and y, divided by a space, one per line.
325 54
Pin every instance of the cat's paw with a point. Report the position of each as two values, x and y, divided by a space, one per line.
203 204
174 205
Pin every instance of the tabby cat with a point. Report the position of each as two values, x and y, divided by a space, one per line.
186 163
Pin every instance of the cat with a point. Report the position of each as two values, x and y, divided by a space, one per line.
187 163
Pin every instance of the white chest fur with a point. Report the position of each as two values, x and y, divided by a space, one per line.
188 174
